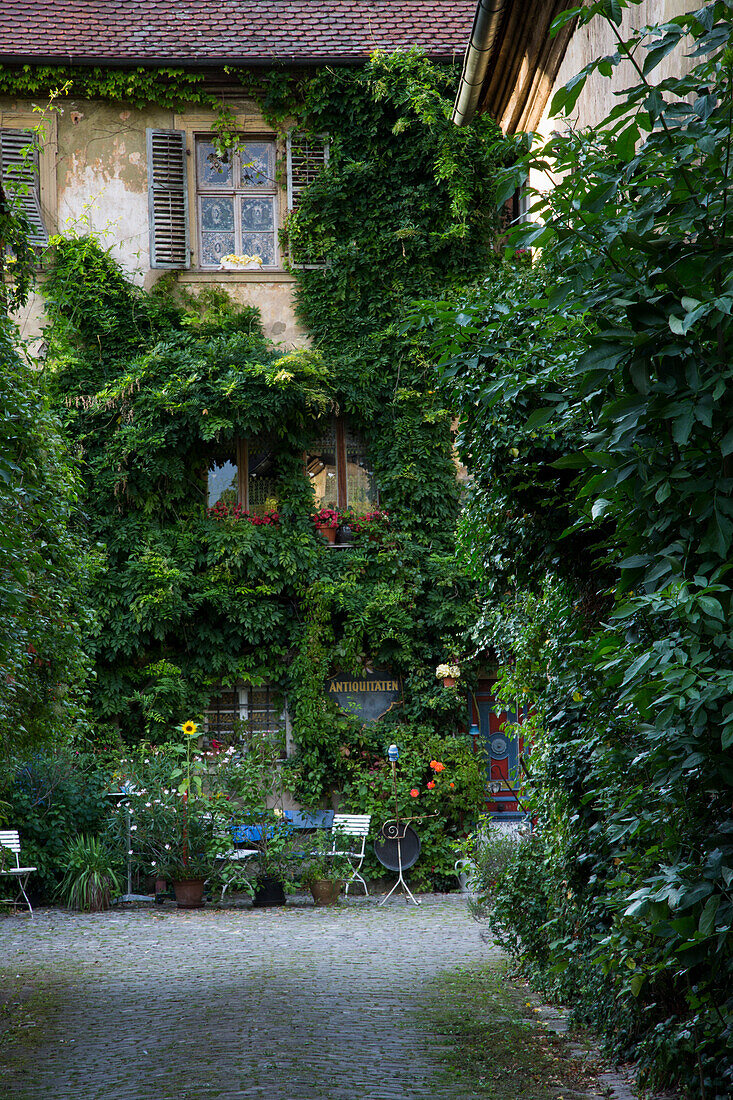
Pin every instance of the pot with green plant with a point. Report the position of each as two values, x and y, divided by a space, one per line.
324 869
91 878
176 798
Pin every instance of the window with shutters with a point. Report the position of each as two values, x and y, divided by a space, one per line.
19 171
237 202
244 473
340 471
168 199
244 714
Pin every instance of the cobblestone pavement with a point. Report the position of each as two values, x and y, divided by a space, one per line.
313 1004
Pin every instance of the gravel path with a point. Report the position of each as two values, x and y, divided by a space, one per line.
284 1004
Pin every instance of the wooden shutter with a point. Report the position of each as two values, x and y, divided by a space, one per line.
168 199
307 155
19 173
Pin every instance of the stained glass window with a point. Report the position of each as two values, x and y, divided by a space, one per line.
237 202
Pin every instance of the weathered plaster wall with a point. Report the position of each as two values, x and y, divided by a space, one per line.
99 167
596 39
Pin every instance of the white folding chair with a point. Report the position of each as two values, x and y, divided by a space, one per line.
349 832
10 838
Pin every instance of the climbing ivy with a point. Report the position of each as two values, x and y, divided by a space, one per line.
152 385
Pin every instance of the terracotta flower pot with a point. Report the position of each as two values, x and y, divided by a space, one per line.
449 681
189 893
325 891
329 533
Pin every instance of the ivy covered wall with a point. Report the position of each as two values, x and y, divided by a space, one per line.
150 385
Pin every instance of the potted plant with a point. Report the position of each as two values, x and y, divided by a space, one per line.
448 673
175 798
91 877
327 522
257 821
324 870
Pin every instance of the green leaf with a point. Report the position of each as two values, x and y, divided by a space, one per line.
637 981
540 417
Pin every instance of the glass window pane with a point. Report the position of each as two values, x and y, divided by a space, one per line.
221 715
217 213
258 214
361 485
262 487
260 244
214 247
258 164
211 170
223 480
321 469
217 229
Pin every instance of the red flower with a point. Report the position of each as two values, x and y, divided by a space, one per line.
414 792
431 784
451 784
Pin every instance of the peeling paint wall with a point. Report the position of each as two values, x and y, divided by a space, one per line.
100 177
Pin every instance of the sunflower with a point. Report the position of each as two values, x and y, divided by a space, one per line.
190 728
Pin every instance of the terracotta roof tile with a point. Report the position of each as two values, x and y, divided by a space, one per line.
229 30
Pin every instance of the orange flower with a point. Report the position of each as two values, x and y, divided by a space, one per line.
451 784
414 792
431 784
437 766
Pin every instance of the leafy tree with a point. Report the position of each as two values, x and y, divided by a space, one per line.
607 392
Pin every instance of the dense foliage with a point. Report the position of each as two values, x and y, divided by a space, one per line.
596 398
153 386
43 565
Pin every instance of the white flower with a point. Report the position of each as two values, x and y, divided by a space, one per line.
129 851
167 847
153 864
444 670
148 805
132 828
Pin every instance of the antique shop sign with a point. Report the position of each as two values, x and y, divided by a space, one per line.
368 696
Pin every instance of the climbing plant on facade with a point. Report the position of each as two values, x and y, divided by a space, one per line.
154 387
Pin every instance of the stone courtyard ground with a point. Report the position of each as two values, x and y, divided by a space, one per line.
392 1003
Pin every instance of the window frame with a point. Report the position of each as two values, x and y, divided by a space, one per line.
200 192
241 689
47 152
242 459
342 501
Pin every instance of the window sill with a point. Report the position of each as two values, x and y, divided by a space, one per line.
211 275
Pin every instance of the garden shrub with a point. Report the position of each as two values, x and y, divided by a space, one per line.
54 796
597 412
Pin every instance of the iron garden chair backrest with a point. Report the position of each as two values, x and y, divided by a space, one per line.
350 832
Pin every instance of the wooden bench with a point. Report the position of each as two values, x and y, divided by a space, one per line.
10 839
